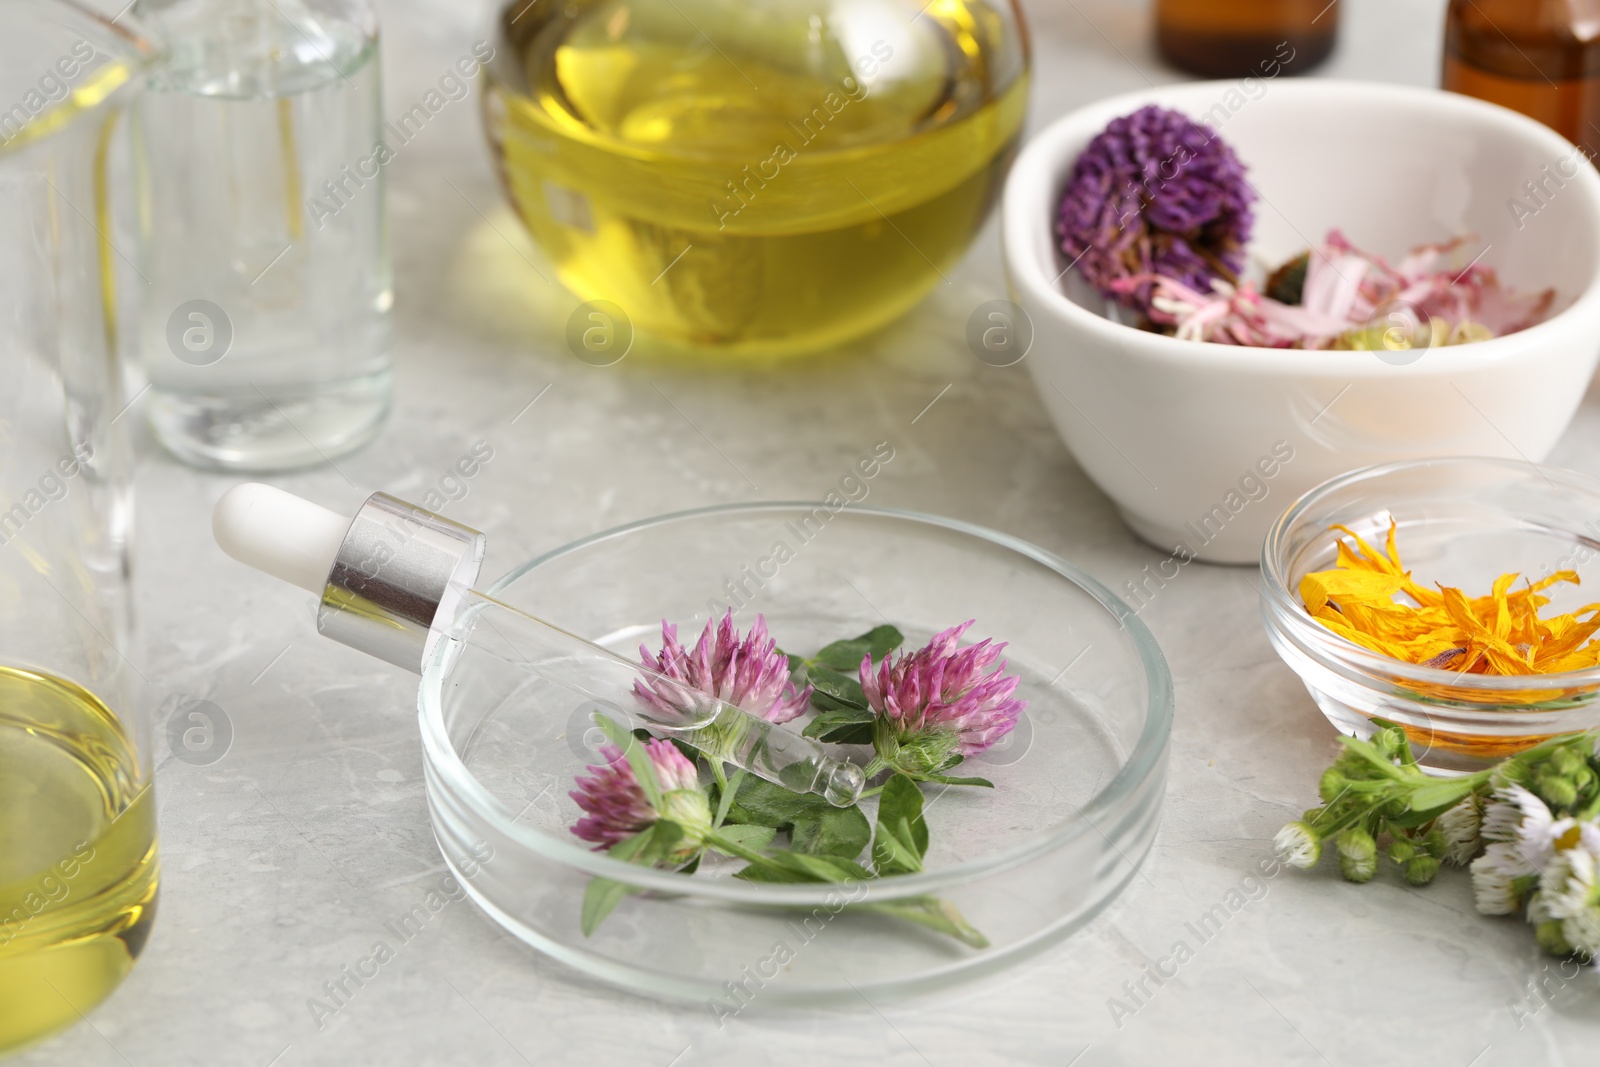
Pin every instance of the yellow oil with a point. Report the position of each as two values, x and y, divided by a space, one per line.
78 869
778 182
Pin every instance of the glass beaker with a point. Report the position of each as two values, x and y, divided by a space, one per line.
77 822
259 157
755 178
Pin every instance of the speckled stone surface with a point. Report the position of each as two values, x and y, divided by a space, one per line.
283 860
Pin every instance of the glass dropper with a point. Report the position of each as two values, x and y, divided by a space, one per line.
396 579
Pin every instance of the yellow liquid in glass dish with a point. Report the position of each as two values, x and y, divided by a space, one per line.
78 866
780 182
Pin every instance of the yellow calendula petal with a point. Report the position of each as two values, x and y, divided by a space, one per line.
1318 588
1369 598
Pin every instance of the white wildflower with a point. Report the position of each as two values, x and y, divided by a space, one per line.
1568 884
1511 812
1582 932
1493 876
1569 889
1460 827
1521 821
1298 845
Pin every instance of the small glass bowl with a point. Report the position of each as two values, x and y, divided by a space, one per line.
1078 790
1459 522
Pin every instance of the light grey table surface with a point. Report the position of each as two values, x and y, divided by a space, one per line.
282 860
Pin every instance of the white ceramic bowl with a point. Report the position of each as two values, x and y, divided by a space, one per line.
1182 435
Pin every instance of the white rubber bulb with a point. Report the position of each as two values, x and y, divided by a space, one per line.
279 533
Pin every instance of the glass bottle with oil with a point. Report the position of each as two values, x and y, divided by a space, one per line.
1539 57
78 870
758 178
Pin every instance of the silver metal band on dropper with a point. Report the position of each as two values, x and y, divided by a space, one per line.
398 569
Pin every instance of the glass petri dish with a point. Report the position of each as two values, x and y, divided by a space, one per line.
1078 785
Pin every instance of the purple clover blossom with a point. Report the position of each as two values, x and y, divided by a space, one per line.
941 701
749 673
617 805
1156 193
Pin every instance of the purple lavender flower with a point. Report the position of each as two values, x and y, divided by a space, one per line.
940 702
749 673
618 807
1155 193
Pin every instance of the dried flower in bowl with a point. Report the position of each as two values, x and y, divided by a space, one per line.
1155 195
1337 296
1157 214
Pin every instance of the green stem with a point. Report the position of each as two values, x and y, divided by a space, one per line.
726 791
733 848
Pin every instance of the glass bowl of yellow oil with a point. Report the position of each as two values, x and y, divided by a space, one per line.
756 178
78 870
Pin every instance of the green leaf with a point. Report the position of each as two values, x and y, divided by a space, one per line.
823 702
751 837
901 801
817 868
842 726
761 803
815 826
1441 794
847 655
893 850
661 841
725 794
945 779
600 898
602 895
839 832
643 768
840 687
781 875
932 912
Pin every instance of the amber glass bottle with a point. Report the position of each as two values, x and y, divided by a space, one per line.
1236 38
1539 57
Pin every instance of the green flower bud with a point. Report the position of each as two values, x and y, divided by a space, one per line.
1420 871
1358 854
1402 850
1565 762
1391 741
1397 807
926 751
1551 939
691 810
1436 843
1333 783
1559 793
